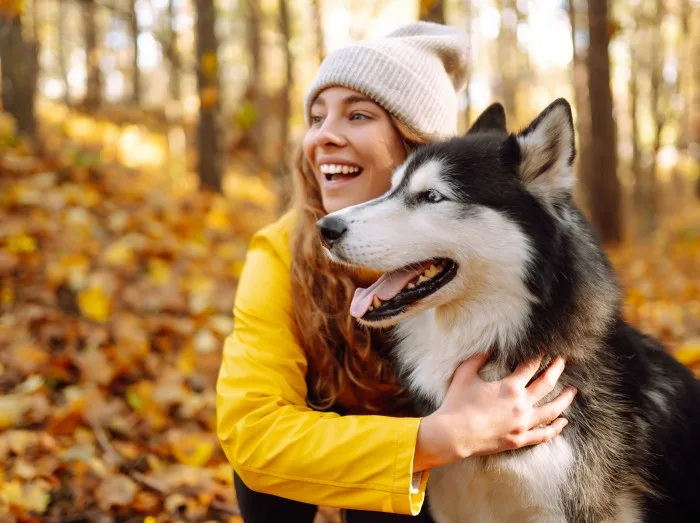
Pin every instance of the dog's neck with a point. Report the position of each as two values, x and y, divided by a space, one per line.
433 343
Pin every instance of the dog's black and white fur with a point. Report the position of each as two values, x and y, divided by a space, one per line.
526 276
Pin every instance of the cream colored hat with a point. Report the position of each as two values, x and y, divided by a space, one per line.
414 73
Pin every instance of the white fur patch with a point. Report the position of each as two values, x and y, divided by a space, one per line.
427 176
398 175
505 488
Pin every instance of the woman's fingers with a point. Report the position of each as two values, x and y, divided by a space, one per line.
553 409
546 381
537 435
469 368
524 372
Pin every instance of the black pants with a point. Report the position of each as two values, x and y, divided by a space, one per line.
266 508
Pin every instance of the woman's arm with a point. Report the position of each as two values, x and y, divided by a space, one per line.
277 444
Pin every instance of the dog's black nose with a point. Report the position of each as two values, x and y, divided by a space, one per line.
331 229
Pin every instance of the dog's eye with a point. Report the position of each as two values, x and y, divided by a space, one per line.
432 196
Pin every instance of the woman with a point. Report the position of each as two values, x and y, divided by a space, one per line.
310 411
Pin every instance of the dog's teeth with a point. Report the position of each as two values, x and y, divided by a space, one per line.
432 271
371 308
376 302
421 279
411 285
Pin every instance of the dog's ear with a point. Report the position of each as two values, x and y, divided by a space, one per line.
546 152
492 120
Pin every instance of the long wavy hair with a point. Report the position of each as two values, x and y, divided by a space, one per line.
349 366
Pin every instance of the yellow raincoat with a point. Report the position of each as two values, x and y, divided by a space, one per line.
274 441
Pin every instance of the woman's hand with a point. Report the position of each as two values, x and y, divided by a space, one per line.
480 417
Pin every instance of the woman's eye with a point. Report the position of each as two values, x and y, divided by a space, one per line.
432 196
316 119
359 116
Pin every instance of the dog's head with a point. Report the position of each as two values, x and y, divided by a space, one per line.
462 220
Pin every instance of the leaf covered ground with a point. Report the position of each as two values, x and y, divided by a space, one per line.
115 296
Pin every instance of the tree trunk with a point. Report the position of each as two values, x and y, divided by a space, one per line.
648 199
636 166
136 72
62 66
255 92
468 27
432 11
602 185
507 48
173 56
93 96
583 110
317 21
283 164
20 67
209 161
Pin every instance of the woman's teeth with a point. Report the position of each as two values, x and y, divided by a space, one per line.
332 168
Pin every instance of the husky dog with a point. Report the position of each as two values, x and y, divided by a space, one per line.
483 250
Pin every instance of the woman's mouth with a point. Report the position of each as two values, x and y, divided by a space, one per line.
337 173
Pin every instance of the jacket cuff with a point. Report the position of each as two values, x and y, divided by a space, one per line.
409 487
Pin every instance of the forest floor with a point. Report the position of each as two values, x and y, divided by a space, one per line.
116 291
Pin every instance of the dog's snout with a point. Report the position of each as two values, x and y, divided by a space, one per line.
331 229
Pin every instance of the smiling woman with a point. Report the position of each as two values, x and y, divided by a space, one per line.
351 145
310 409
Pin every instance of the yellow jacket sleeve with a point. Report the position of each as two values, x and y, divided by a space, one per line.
274 441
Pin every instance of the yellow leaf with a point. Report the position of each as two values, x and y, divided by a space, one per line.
11 8
7 296
689 352
209 64
193 451
94 304
218 218
21 243
159 270
119 254
187 361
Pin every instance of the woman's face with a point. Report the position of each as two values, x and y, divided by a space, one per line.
352 146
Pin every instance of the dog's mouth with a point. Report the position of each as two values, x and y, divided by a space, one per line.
395 291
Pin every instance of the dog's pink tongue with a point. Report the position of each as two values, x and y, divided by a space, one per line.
385 288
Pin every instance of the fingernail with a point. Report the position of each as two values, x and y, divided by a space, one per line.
566 422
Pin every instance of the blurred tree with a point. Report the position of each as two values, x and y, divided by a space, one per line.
319 40
135 71
507 58
601 184
283 163
468 17
209 152
93 96
61 51
20 66
432 11
254 99
582 103
633 94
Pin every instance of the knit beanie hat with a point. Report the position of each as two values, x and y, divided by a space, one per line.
414 73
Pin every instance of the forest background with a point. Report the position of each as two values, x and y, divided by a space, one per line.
142 142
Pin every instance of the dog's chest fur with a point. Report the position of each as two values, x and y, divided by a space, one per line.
519 486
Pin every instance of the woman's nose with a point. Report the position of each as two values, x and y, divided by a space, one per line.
330 133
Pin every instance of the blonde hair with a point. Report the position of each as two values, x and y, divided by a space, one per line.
347 364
